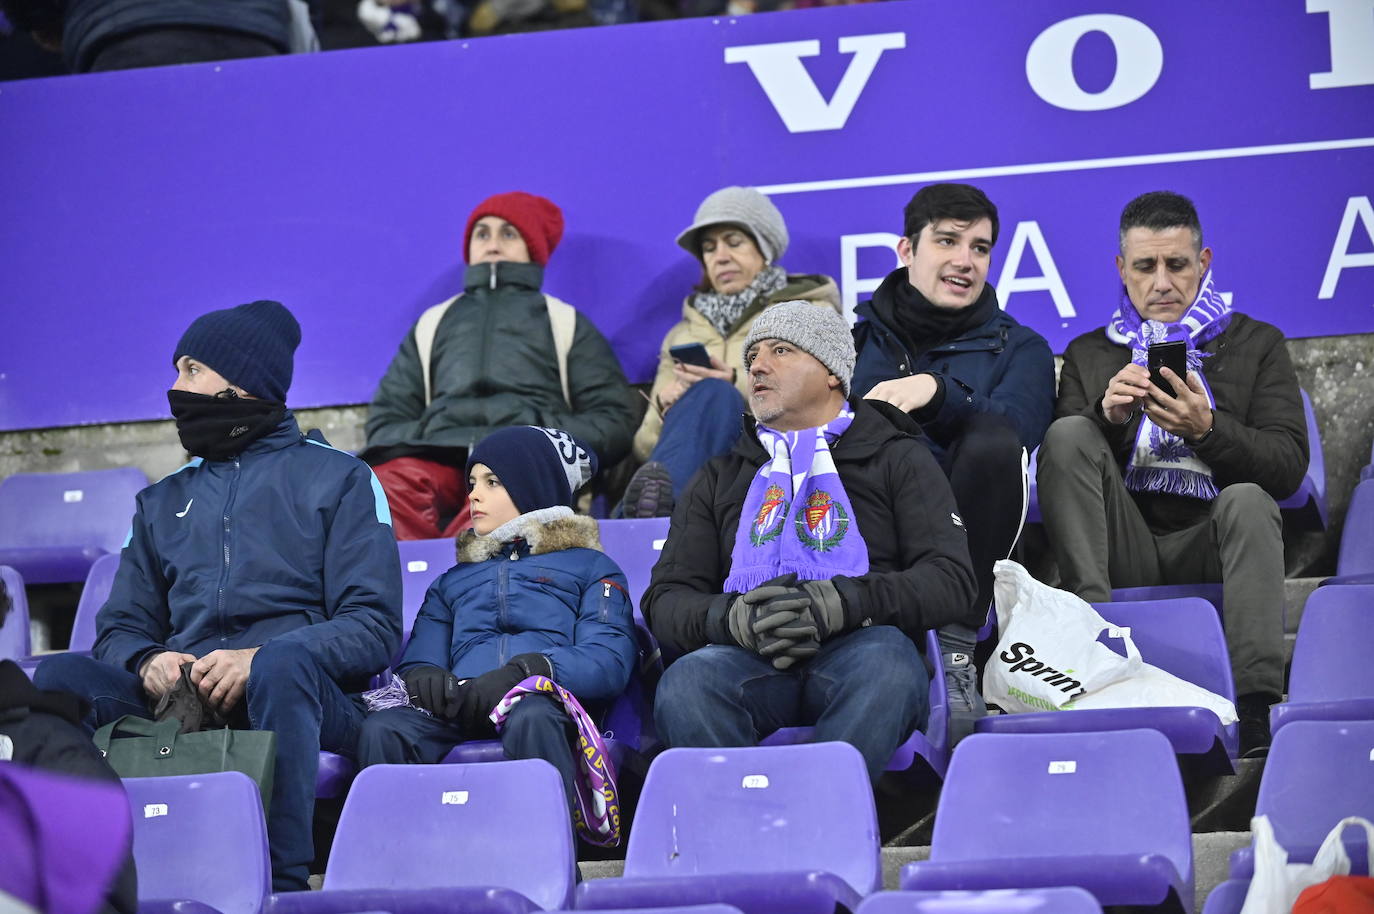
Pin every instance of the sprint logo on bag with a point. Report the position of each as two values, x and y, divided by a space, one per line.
1020 658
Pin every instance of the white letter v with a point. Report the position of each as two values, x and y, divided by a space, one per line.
794 95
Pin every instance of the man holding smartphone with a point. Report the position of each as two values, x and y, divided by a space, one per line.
1141 488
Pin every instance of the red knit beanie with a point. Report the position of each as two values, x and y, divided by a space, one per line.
538 220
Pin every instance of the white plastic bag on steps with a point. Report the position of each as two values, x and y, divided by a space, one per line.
1276 885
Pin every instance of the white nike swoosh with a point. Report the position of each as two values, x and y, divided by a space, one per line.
182 512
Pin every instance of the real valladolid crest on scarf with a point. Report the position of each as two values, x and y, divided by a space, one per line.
1162 461
797 516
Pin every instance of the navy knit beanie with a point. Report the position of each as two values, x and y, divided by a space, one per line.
539 467
252 345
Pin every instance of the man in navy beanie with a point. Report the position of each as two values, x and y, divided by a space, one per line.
263 573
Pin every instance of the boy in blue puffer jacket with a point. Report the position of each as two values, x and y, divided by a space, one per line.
532 595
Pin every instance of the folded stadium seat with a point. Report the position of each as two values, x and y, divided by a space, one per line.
1063 900
96 591
1331 677
199 838
54 525
764 828
1355 561
1182 637
635 545
1227 898
1102 811
1307 506
1033 501
422 561
688 909
923 758
14 633
471 838
1317 773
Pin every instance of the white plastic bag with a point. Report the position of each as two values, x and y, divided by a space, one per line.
1047 651
1276 885
1048 657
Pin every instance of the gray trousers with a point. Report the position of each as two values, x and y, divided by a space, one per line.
1101 541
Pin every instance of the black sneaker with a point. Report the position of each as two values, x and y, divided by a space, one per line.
1253 711
966 704
650 492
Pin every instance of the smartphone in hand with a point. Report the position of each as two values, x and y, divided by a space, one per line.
1173 356
690 354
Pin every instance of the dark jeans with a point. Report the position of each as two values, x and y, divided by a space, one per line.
703 423
162 46
986 466
868 688
287 693
537 727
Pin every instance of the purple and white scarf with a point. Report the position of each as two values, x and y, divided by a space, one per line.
597 815
796 516
1162 461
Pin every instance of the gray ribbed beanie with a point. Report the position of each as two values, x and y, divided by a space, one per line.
741 206
816 329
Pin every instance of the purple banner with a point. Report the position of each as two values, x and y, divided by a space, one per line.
339 183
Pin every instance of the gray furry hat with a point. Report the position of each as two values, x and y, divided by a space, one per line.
742 206
817 329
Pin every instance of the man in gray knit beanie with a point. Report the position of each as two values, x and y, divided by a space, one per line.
819 332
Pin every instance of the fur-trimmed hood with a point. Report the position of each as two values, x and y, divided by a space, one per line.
542 536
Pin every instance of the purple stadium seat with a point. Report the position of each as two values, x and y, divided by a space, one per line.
63 838
1102 811
923 758
54 525
1331 676
1356 558
635 545
422 562
685 909
1182 637
1033 503
476 838
1317 773
200 837
1227 898
14 633
99 582
765 828
1063 900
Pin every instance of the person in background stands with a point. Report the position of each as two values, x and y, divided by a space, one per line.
501 353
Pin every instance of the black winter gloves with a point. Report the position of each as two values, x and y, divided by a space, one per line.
782 619
434 689
480 695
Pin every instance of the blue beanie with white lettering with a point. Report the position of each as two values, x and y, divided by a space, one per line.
539 467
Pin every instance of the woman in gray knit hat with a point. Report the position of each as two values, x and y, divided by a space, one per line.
738 236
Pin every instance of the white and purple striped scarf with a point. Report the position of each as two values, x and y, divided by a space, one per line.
1161 461
796 516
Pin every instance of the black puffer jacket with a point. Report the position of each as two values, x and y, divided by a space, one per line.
1260 434
919 572
494 365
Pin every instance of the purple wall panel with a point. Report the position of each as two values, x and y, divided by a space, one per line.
339 183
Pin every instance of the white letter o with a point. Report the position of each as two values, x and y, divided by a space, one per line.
1139 61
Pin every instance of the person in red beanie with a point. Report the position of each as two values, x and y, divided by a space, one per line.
500 353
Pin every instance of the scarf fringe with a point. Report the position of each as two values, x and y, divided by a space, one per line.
1171 481
749 578
391 695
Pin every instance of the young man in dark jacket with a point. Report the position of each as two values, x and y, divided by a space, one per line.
1139 487
935 344
802 569
493 363
267 563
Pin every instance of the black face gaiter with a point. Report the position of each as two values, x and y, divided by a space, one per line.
218 427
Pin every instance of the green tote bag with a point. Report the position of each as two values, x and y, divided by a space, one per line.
140 748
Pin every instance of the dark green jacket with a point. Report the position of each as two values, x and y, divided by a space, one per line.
493 365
